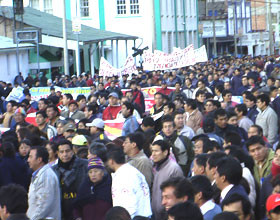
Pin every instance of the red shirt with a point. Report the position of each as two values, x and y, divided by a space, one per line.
111 112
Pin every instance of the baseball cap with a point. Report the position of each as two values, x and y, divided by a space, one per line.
272 202
73 102
69 127
98 122
115 95
79 140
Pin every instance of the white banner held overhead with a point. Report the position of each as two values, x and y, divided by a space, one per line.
201 55
163 61
106 69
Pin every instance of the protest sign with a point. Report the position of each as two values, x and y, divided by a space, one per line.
16 94
201 55
106 69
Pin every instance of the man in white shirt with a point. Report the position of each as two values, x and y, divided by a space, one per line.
129 187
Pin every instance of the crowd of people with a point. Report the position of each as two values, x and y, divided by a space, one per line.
207 149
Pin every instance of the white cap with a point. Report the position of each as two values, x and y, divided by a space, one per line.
98 122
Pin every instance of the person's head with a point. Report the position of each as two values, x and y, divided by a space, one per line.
158 99
133 143
273 207
209 105
38 157
202 189
65 151
200 96
96 126
97 149
24 147
257 148
186 210
238 205
52 149
127 109
160 150
11 106
168 125
232 138
244 80
190 105
227 95
41 118
117 213
263 101
201 84
66 98
201 145
250 100
199 164
179 119
81 101
275 182
232 118
169 108
255 130
13 200
211 164
115 158
113 98
226 215
148 123
96 170
73 106
174 191
220 118
52 112
19 115
42 104
229 171
219 89
241 110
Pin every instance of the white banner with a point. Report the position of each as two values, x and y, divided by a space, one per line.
201 55
106 69
163 61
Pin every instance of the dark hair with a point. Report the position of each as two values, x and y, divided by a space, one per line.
41 152
251 97
117 213
98 149
264 98
68 96
214 158
167 118
206 144
225 92
231 169
54 108
234 138
129 106
231 114
46 102
208 125
186 210
191 103
226 215
182 187
242 108
8 149
15 198
43 113
254 140
246 205
164 145
92 107
148 121
170 105
201 159
220 88
116 154
275 180
80 97
137 138
219 112
199 92
202 184
158 93
65 142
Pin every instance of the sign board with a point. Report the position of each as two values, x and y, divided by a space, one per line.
76 25
220 26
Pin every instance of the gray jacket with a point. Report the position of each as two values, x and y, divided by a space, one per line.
268 120
44 195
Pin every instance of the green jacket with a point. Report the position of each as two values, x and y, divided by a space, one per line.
265 170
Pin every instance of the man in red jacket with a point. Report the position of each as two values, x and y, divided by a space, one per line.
111 112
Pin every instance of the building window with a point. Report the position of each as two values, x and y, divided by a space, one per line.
134 7
48 6
35 4
128 7
121 7
84 8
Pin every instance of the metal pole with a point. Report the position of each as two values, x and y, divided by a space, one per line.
38 61
185 33
175 19
234 28
66 61
117 53
78 60
271 46
17 55
214 29
112 57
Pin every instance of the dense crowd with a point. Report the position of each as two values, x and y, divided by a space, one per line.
207 149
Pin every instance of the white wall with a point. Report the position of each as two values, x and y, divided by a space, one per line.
8 65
